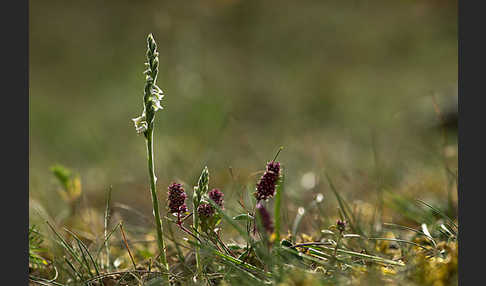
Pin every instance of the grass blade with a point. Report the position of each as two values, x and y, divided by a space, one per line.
73 268
398 240
361 255
83 256
243 264
83 246
304 256
443 215
64 244
345 208
106 239
230 220
412 229
105 226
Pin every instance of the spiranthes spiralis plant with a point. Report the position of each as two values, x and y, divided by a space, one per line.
144 124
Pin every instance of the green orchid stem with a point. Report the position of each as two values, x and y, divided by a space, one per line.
196 248
338 241
155 201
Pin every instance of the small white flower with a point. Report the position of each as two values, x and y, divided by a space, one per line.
157 92
156 105
140 124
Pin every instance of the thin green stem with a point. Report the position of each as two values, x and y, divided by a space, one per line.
195 222
176 245
155 201
106 221
337 246
277 207
199 191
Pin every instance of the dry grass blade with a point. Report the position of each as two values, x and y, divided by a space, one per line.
443 215
106 239
362 255
305 256
126 245
412 229
398 240
43 281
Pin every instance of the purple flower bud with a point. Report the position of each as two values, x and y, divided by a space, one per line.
176 198
265 217
183 208
341 225
205 210
266 186
217 196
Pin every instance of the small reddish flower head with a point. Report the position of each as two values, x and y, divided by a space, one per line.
217 196
205 210
266 186
341 225
176 198
265 217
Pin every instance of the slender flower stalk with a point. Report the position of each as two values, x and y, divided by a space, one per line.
199 191
341 226
145 125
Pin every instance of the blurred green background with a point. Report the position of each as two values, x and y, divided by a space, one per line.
345 86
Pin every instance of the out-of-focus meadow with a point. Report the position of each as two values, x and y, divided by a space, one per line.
347 87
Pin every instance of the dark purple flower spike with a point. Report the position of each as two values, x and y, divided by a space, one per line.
176 198
217 196
205 210
266 186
